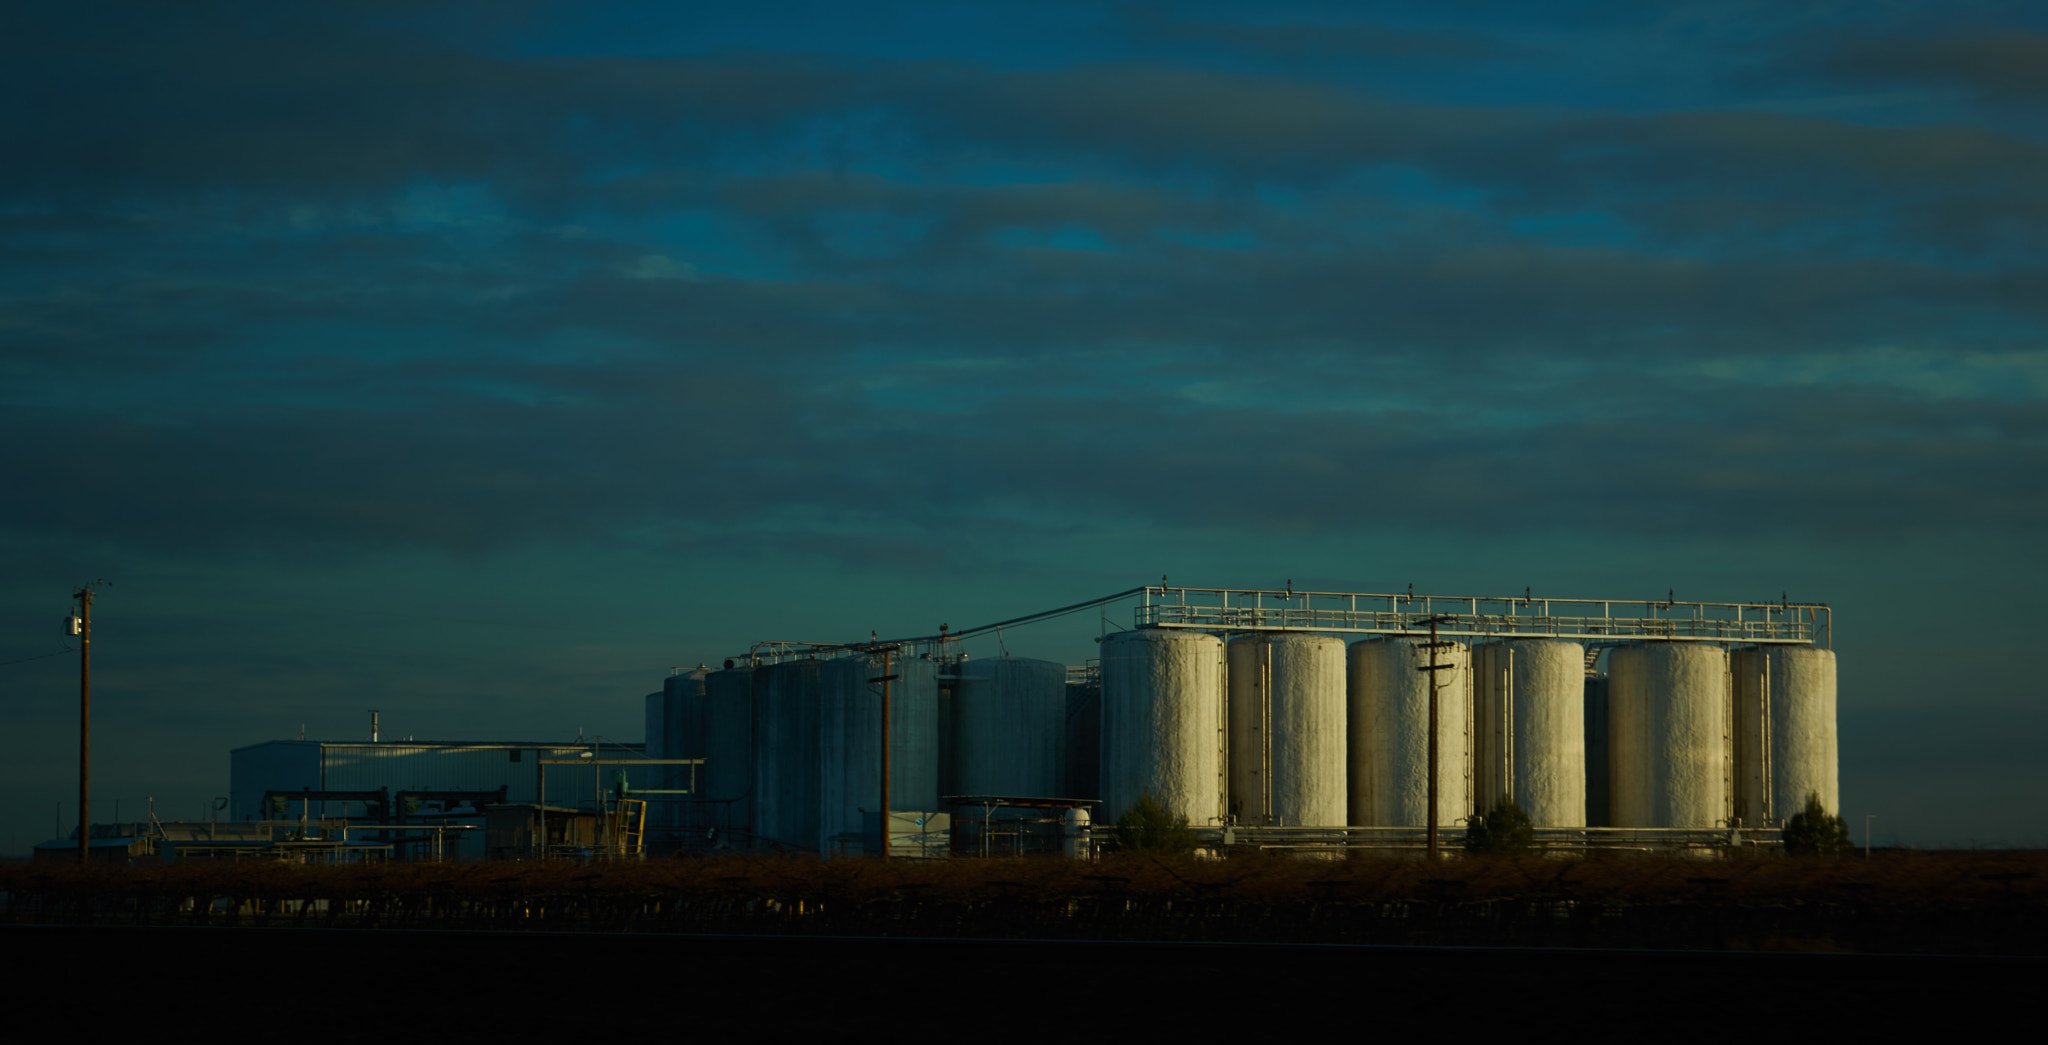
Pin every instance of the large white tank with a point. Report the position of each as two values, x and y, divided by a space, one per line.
850 745
1389 744
1287 729
1010 728
1785 742
726 780
1162 722
1668 717
786 754
1529 720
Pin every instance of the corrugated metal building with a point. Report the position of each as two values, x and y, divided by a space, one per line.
419 765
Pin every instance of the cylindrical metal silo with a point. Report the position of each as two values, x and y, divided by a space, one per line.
850 746
1785 742
675 729
1389 744
1668 718
725 783
786 754
1162 723
1010 728
1599 792
1287 729
1084 739
1530 729
679 731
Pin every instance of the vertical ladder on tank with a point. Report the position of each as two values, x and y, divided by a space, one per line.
630 826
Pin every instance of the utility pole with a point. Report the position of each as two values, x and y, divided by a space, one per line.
1431 670
84 597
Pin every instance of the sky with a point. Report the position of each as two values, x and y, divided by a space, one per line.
480 362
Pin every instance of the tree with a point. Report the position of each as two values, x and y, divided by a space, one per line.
1502 829
1146 825
1814 830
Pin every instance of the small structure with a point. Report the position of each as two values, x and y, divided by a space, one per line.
913 835
999 825
537 832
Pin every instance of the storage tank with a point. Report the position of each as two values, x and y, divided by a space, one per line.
1010 728
675 716
1530 729
675 729
726 780
1785 741
850 745
1668 716
1162 723
1084 739
1389 743
1075 843
786 754
949 682
1599 793
1287 729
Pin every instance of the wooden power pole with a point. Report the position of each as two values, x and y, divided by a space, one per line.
84 597
1431 671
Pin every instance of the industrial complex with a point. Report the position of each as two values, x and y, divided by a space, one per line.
1316 722
1276 719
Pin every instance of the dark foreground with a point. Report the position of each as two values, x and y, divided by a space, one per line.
346 982
1987 904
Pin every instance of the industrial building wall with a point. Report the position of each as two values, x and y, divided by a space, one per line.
283 765
291 765
465 767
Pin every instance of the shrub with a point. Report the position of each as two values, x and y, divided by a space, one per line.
1815 831
1147 826
1502 829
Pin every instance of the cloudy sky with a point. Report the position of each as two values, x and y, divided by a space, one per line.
478 362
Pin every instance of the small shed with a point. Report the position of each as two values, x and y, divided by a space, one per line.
509 830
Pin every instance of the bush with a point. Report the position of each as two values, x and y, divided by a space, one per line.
1147 826
1502 829
1815 831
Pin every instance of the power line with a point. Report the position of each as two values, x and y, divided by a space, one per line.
39 656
